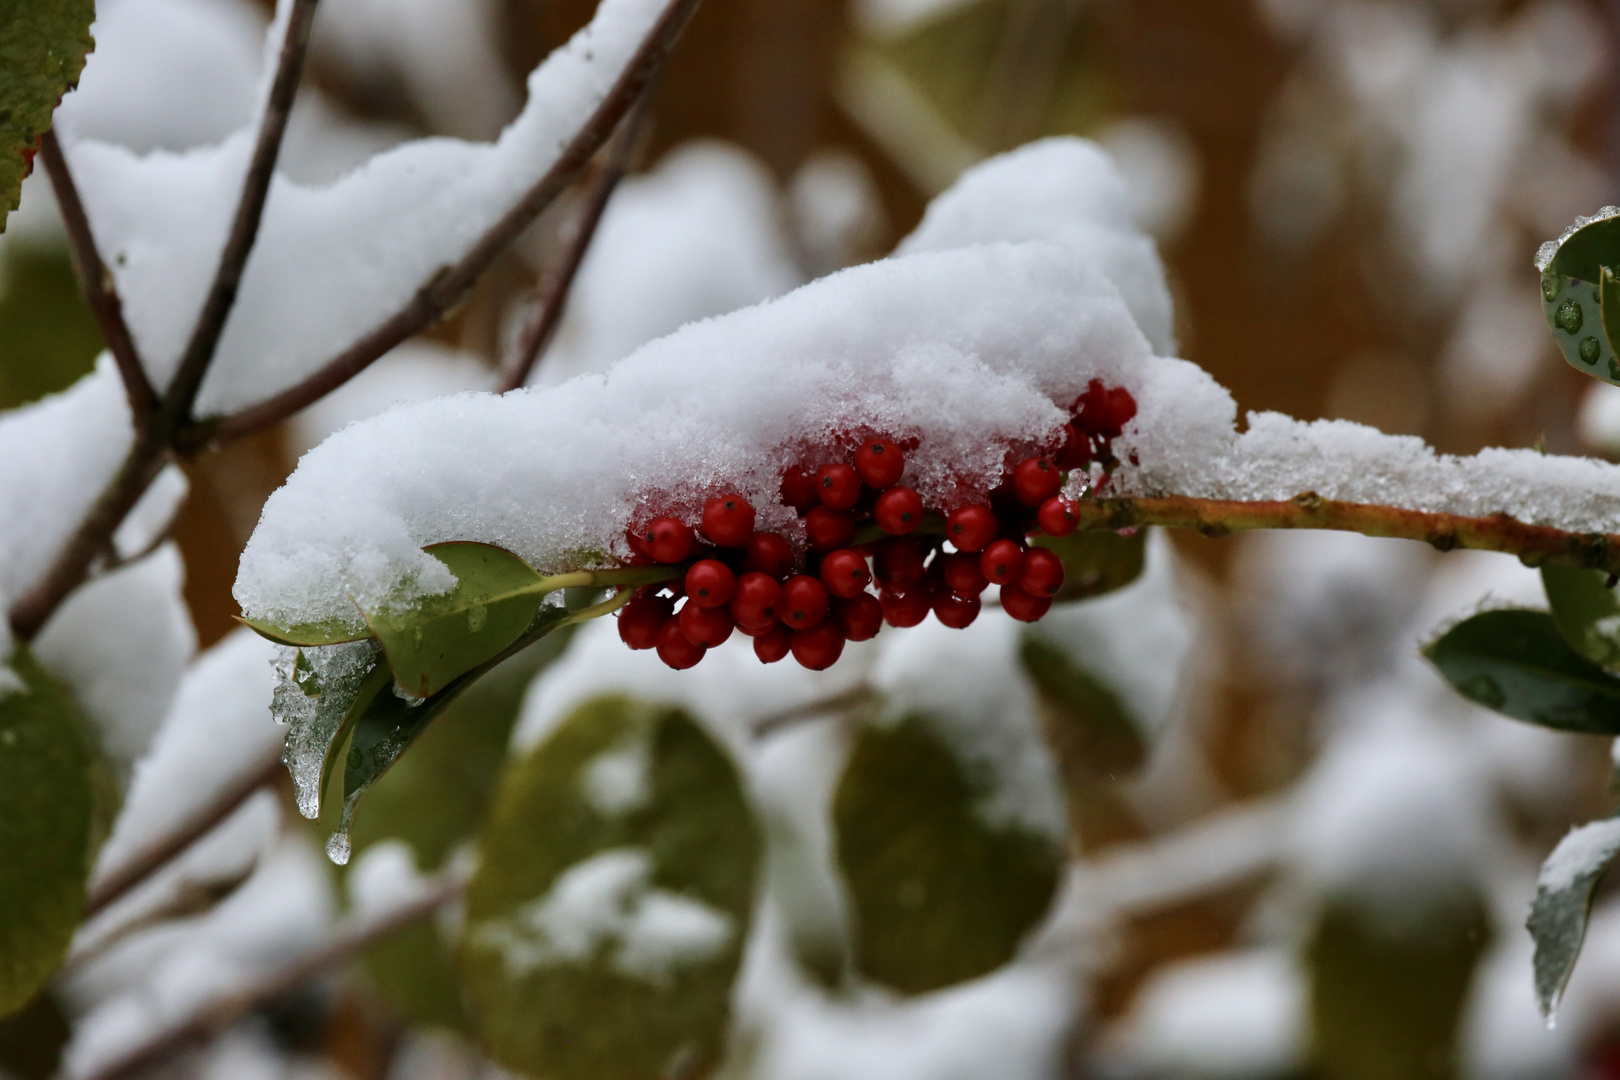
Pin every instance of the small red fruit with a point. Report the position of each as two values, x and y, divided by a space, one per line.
956 612
1035 480
799 490
643 619
708 626
970 528
1058 516
638 541
773 644
899 510
1103 411
859 616
880 464
1002 562
962 574
755 601
1042 574
829 529
819 647
728 520
1023 606
804 601
769 554
907 608
839 486
899 564
676 649
1075 453
669 540
710 583
844 573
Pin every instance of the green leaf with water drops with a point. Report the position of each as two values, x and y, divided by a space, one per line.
47 816
1580 298
939 892
1563 902
1586 611
1516 662
1089 727
1096 561
43 44
441 637
616 881
309 634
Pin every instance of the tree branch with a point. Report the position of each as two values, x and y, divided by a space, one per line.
95 282
448 286
188 377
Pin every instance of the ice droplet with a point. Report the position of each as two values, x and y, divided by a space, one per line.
1569 318
1551 1020
337 847
1549 288
1590 350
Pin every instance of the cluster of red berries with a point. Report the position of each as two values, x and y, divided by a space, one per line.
739 579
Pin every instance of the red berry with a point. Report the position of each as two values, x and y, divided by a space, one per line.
754 604
844 573
728 520
769 554
799 490
899 510
638 541
819 647
804 601
708 626
773 644
880 464
1036 480
907 608
1104 411
1023 606
839 486
1059 516
676 649
669 540
828 528
962 574
643 619
1122 408
1042 574
710 583
899 564
956 612
1002 562
1075 453
970 528
859 616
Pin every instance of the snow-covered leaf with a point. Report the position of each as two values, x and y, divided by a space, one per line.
1586 610
938 893
1557 922
48 794
1575 282
606 922
1515 662
42 48
1096 562
1087 722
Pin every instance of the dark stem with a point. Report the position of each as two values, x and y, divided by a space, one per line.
451 283
96 282
216 309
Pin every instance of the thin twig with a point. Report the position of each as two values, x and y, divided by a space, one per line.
538 334
451 283
192 898
221 1012
233 257
842 701
96 282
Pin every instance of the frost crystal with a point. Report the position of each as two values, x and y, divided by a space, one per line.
1546 252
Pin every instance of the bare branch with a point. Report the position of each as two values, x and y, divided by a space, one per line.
233 257
447 287
96 282
843 701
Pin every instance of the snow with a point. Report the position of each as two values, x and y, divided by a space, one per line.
414 371
1583 852
837 210
1599 419
333 261
616 781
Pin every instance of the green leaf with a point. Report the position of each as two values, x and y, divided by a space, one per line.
1558 914
442 637
32 1039
42 49
47 813
328 632
1586 611
48 337
1517 663
615 884
1581 300
938 894
1096 562
1088 725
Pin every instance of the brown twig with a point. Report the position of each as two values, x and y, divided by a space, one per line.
96 282
221 1012
842 701
451 283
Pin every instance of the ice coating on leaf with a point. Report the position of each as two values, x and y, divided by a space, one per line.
1582 851
331 262
334 674
1563 902
1547 251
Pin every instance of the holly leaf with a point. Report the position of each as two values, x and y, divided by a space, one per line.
1558 914
1586 611
1581 299
311 634
47 815
1089 727
1517 663
616 881
938 893
43 44
1096 562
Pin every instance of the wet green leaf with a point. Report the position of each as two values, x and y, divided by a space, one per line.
616 881
42 49
47 814
1517 663
1096 562
329 632
1088 725
1557 923
1586 611
443 637
1580 297
938 894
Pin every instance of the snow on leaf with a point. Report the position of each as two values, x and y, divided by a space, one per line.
42 51
1558 915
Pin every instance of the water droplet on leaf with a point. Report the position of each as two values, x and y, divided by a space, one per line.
1569 318
1590 349
1549 288
337 847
